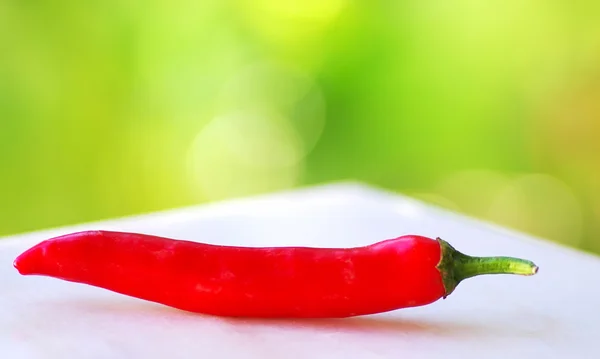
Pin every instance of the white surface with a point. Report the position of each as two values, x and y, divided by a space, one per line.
555 314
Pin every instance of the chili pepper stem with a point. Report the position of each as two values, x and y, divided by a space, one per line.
455 266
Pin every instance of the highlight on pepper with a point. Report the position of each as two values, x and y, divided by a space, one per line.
283 282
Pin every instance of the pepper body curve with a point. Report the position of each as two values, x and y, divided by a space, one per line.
298 282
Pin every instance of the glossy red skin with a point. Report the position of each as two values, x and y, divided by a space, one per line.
293 282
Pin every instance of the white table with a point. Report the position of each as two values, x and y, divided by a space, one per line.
555 314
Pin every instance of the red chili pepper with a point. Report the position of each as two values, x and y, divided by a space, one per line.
288 282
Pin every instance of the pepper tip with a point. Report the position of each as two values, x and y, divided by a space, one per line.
16 265
25 263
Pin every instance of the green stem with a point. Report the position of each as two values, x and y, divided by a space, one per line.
456 266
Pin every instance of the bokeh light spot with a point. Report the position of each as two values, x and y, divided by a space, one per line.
542 205
472 190
269 118
224 161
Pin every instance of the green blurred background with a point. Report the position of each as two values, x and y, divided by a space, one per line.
491 108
